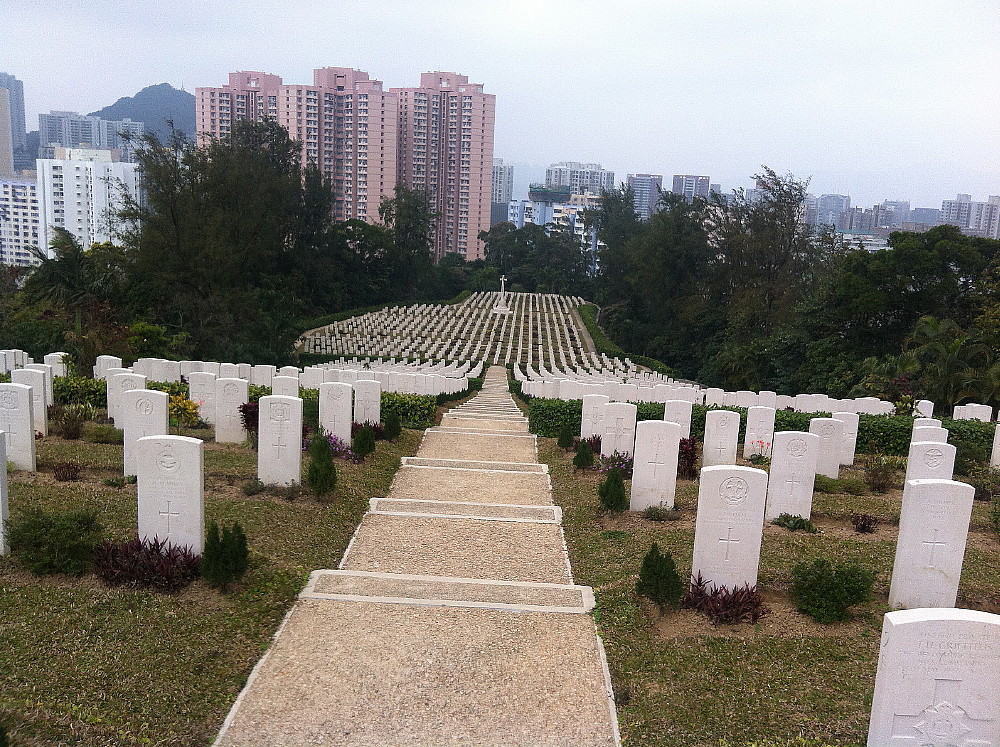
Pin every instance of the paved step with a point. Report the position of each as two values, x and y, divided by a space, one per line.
497 447
472 485
476 464
465 510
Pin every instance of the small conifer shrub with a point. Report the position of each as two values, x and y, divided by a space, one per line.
392 426
658 579
824 591
56 541
584 456
321 476
611 492
363 442
565 437
226 556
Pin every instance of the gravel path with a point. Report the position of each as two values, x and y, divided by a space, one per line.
408 670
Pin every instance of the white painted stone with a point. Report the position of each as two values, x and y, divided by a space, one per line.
793 472
289 371
49 376
618 434
849 444
930 433
229 371
995 453
714 397
831 438
933 528
745 398
767 399
103 363
117 385
4 546
212 367
729 525
924 408
262 375
930 460
722 430
926 423
367 401
171 486
244 371
759 431
285 386
58 362
311 377
39 399
201 391
588 425
335 409
937 680
279 442
18 422
654 469
678 411
142 413
230 395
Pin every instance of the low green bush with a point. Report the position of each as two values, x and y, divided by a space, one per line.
853 486
413 410
102 434
173 388
995 513
659 580
226 556
69 389
565 440
392 426
794 523
321 476
584 456
363 442
55 541
825 591
661 513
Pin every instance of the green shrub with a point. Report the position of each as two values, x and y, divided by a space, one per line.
393 427
611 492
794 523
584 455
986 480
321 477
853 486
413 410
661 513
56 541
67 420
824 484
882 471
226 556
253 487
824 591
172 388
995 513
102 434
363 442
78 389
256 391
565 437
114 482
658 579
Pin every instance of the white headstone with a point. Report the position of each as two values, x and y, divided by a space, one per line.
103 363
722 431
849 442
367 401
47 370
142 412
336 409
618 434
654 468
759 432
18 422
930 433
793 472
262 375
933 528
58 363
930 460
201 391
937 680
230 395
924 408
995 453
831 438
117 385
588 424
926 423
285 386
229 371
288 371
4 549
171 485
729 525
39 398
678 411
279 441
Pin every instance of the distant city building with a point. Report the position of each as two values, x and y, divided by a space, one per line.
19 222
79 191
559 207
647 189
810 205
503 181
898 211
6 137
715 188
580 177
974 218
930 216
16 115
829 209
690 186
72 130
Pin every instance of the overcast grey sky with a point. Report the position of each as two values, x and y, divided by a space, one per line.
890 99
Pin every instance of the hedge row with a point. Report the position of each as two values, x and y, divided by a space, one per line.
886 434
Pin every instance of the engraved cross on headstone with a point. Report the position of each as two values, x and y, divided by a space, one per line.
792 482
728 541
168 513
943 723
934 544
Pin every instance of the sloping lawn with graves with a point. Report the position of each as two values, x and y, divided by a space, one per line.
84 664
680 680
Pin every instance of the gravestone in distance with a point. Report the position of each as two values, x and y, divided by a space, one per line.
230 395
588 421
722 430
4 549
285 386
849 442
937 680
18 422
171 486
729 525
279 441
201 391
39 397
930 433
831 438
618 434
336 409
759 432
367 401
930 460
143 412
793 472
678 411
933 529
654 469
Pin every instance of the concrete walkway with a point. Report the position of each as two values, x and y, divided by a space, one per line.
453 619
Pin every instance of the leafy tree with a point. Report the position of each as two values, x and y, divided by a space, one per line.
411 220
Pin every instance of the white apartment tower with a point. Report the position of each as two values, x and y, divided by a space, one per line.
19 221
582 177
503 181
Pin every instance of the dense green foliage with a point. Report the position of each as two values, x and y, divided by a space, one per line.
321 476
413 410
584 456
611 491
55 541
363 442
825 591
659 580
226 556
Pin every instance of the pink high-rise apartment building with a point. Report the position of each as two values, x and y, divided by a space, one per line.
437 137
345 122
446 148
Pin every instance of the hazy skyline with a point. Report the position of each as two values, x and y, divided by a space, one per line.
896 100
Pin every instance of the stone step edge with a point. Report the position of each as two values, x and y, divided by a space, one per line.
544 468
466 415
556 511
472 432
586 592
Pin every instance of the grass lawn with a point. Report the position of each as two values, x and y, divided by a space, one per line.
787 680
83 664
